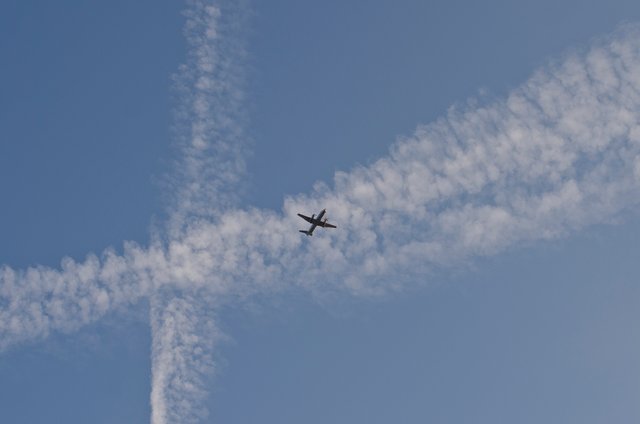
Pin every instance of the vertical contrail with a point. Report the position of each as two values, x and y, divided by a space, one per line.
184 335
206 181
210 119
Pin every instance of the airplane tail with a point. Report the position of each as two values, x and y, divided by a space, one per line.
305 232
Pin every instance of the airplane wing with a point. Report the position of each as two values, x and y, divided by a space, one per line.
326 225
306 218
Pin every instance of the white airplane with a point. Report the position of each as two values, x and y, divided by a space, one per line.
315 222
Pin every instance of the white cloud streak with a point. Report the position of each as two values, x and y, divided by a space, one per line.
38 300
184 336
207 179
559 153
210 118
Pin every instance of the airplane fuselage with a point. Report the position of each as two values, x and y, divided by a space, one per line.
315 221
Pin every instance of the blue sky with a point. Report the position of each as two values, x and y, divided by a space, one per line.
540 331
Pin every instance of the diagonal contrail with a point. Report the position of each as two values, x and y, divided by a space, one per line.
559 153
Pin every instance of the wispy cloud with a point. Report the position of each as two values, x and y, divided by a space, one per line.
559 153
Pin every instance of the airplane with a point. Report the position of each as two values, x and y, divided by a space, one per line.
315 222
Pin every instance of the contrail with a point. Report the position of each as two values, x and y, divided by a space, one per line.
184 336
210 121
559 153
36 301
205 182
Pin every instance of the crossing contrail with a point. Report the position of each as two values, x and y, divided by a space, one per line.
557 154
